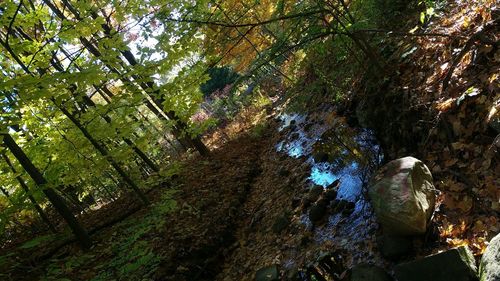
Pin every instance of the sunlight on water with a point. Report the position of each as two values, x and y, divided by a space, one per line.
352 175
287 119
322 175
353 154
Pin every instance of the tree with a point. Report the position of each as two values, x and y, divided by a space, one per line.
26 189
219 78
56 200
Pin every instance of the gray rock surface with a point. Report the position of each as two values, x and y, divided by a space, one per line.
453 265
403 196
489 269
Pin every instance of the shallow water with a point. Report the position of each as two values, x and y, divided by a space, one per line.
352 155
353 169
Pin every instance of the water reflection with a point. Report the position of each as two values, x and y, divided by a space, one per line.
336 151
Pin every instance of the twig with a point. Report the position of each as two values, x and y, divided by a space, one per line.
250 24
402 33
465 50
12 22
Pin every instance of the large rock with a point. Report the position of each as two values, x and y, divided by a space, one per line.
394 247
453 265
403 196
366 272
490 262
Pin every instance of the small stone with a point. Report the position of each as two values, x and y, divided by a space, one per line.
494 122
334 185
457 264
306 203
315 193
308 127
338 205
349 209
181 269
320 156
318 211
268 273
330 194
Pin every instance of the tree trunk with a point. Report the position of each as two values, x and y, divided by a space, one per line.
5 193
96 145
56 200
148 87
26 189
104 152
132 145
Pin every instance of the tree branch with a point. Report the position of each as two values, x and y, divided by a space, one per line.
12 22
250 24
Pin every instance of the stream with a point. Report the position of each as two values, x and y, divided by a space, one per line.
337 152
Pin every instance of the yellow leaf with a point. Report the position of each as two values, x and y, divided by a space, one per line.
456 242
445 105
466 22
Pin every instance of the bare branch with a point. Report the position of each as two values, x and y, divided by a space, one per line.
12 22
251 24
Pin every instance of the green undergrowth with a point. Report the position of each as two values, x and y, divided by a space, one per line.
126 254
334 69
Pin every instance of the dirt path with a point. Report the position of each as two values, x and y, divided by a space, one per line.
268 232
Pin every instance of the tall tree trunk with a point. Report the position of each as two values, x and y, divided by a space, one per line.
96 145
132 145
56 200
104 152
26 189
180 127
